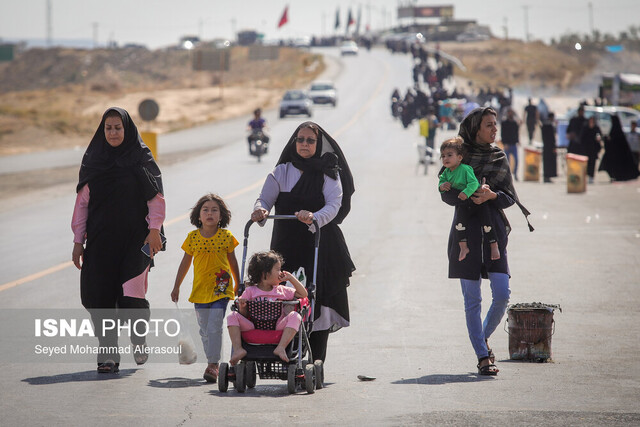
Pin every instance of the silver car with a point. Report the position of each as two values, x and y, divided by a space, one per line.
323 92
296 102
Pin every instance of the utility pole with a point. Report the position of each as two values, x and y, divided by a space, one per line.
95 35
49 25
505 27
591 17
526 23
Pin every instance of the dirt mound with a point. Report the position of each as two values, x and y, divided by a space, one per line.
53 98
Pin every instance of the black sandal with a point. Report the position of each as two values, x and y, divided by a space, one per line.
108 367
489 369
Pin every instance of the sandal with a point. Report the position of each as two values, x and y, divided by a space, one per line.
108 367
210 375
139 356
489 369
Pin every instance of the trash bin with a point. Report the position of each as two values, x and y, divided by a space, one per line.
576 173
151 140
531 326
532 160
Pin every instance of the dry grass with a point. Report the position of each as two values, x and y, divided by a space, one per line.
53 98
499 63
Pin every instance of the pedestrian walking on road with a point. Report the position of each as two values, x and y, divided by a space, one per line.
510 136
478 130
312 180
618 159
532 118
633 138
119 208
549 160
574 129
590 140
215 277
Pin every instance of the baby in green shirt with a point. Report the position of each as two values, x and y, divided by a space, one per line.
460 176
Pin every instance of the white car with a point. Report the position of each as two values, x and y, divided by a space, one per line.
323 92
296 102
349 48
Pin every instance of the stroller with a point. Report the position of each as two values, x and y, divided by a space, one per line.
301 372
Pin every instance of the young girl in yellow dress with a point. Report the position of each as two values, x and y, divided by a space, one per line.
211 247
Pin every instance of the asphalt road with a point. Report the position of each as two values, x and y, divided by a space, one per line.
408 327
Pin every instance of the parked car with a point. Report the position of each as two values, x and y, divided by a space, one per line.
349 47
603 117
296 102
323 92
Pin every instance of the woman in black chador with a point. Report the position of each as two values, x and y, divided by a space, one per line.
312 180
617 159
119 208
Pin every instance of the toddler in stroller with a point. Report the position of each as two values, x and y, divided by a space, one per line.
269 327
265 275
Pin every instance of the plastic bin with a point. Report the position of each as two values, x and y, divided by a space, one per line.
576 173
531 327
532 162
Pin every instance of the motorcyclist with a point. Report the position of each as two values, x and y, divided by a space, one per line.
257 127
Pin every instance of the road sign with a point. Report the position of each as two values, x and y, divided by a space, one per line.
264 53
148 109
211 59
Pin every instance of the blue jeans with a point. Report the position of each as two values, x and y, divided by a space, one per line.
512 150
479 330
210 317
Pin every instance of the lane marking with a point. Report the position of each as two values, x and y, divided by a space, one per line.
240 192
35 276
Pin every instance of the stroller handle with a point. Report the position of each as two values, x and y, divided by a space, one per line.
312 286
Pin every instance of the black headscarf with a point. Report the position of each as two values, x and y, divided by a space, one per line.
328 158
487 160
101 157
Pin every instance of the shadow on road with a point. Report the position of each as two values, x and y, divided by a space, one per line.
436 379
177 382
79 377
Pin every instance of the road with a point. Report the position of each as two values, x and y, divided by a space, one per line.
408 328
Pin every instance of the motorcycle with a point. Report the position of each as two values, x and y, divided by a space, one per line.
258 143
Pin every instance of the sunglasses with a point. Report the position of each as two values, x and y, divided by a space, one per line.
301 139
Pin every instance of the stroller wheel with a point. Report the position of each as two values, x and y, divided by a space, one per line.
251 374
241 385
223 379
309 379
319 368
291 379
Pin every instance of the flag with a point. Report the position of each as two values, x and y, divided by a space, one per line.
285 18
350 20
337 24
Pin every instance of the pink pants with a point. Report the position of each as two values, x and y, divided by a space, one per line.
291 320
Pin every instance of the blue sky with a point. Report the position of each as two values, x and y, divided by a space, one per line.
158 23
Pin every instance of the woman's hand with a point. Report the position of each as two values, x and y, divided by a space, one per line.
483 194
259 214
77 255
154 241
304 216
